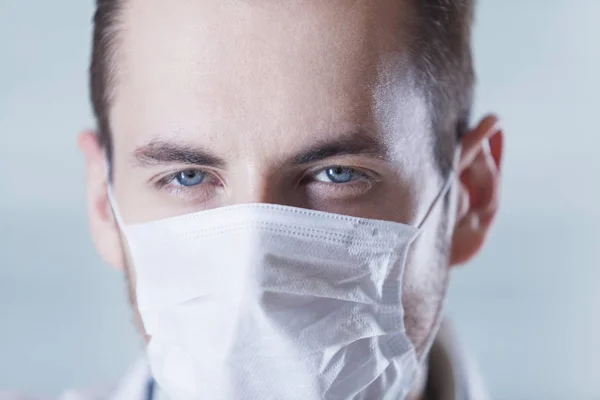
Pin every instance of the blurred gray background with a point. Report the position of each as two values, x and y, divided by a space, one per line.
528 307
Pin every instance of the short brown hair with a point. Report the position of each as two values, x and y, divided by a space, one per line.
441 52
444 66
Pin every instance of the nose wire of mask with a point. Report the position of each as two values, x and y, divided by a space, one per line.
259 302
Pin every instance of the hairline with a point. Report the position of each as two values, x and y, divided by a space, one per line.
442 90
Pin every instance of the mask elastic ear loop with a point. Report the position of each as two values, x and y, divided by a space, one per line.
440 317
445 188
112 200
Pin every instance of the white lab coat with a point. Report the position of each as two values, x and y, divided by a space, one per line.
133 386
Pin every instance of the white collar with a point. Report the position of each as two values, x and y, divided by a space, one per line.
135 384
453 372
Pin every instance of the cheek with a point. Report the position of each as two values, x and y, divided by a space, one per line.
130 276
131 291
424 284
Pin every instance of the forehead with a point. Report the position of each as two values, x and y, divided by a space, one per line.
257 68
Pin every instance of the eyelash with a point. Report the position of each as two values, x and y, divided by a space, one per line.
358 176
167 180
362 178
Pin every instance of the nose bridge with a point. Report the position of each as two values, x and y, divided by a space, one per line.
255 181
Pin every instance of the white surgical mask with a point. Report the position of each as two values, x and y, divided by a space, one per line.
260 302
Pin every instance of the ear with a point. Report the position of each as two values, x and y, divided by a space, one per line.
103 226
479 168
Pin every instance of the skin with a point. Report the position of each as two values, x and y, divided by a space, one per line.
260 99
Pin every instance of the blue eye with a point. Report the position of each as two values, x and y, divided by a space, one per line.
336 175
191 177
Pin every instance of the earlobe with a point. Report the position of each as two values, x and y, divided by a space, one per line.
103 227
479 189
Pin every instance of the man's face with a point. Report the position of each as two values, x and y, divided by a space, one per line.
257 85
305 103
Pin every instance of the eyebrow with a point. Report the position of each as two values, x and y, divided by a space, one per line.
160 152
357 142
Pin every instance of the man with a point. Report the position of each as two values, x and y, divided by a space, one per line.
340 108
